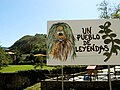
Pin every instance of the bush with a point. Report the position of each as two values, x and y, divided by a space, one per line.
4 58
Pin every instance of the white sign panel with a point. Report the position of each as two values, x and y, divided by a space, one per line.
84 42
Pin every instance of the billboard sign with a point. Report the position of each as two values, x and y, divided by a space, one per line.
84 42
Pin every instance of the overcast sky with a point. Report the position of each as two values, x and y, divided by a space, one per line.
28 17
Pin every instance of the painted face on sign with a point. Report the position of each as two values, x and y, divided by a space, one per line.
63 42
60 34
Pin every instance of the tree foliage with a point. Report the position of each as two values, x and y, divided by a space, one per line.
4 58
116 12
39 61
31 44
107 11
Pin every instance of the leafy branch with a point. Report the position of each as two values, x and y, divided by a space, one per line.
108 37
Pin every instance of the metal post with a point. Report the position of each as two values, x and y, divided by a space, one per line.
109 78
62 79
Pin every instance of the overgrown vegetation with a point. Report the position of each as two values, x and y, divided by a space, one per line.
26 47
4 58
31 44
107 11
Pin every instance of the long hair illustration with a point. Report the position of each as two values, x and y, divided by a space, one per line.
61 42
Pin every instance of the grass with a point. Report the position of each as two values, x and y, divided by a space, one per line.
34 87
15 68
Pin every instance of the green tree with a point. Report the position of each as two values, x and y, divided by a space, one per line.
18 58
4 58
39 61
31 57
107 11
116 12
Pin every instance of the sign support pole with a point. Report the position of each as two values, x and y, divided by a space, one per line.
109 78
62 79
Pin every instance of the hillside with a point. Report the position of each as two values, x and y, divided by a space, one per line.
28 44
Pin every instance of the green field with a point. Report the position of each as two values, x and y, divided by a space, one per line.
15 68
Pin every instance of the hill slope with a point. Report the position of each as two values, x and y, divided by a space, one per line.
28 44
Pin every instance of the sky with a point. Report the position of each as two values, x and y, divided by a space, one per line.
28 17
